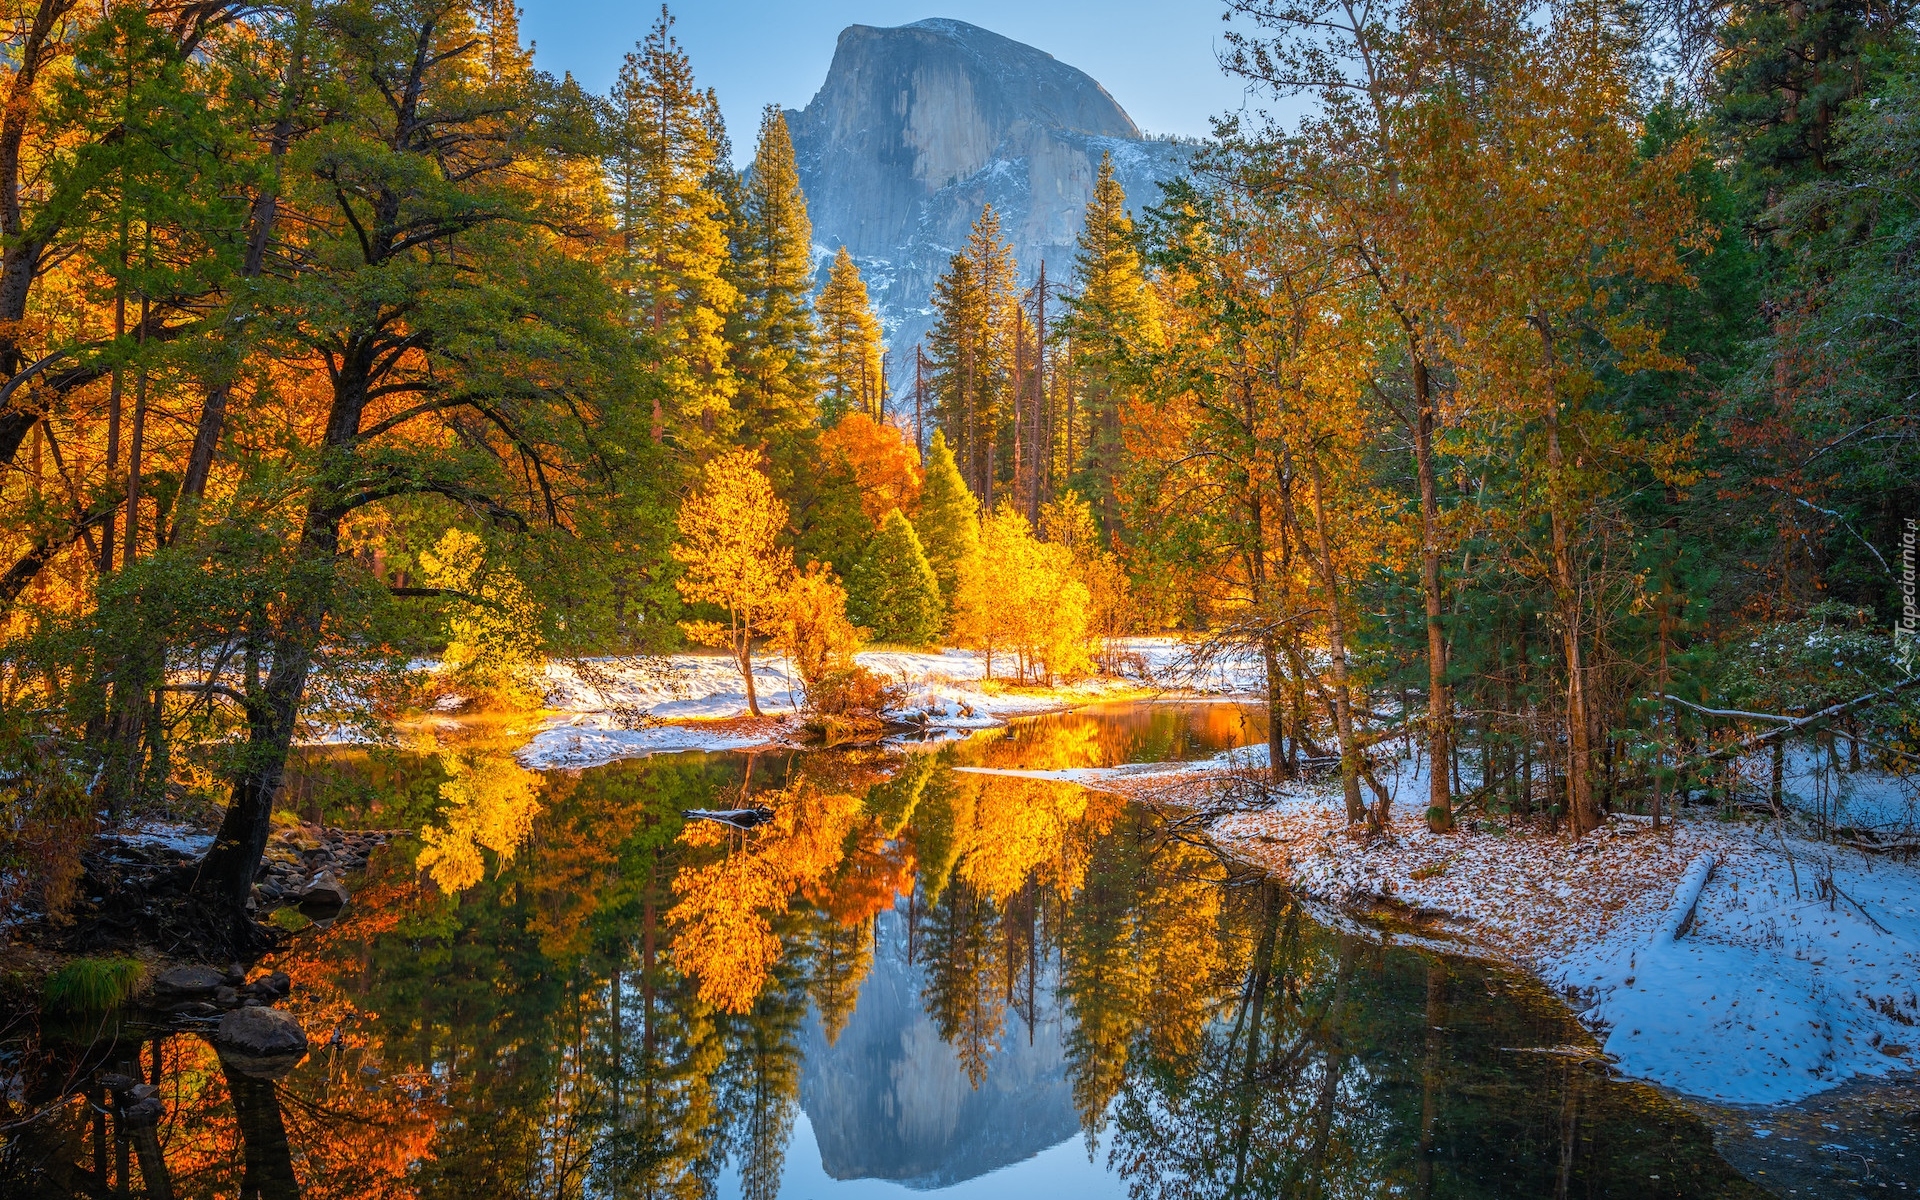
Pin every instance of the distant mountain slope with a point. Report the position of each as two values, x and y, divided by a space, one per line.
918 127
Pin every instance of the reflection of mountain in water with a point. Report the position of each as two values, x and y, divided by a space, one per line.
890 1100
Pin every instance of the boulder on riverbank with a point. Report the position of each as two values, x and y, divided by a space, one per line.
323 898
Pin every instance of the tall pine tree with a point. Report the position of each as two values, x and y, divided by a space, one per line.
663 149
949 520
1786 73
972 343
852 376
777 346
1113 320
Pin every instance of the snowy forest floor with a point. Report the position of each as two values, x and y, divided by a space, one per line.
1740 961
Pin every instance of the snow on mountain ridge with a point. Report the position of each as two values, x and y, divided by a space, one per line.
917 127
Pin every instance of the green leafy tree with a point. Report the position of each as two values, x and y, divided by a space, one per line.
1822 424
893 591
949 520
822 494
1786 73
427 296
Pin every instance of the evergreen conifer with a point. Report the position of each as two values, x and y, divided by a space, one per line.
971 348
893 591
949 522
776 347
1112 320
852 377
665 146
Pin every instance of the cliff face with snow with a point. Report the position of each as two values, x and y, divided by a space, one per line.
918 127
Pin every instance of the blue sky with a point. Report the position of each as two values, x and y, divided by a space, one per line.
1156 57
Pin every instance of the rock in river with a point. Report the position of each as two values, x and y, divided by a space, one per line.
323 898
260 1042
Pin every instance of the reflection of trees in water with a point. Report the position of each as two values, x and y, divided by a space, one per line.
319 1134
730 897
1108 735
759 1079
1144 959
959 934
842 954
1264 1101
547 1031
263 1138
1335 1067
488 802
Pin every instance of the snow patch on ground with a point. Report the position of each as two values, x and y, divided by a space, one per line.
1145 780
1799 968
164 835
1813 783
614 707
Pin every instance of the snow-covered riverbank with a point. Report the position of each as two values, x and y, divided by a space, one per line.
611 708
1736 961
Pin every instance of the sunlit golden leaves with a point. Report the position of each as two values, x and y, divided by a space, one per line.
731 551
494 632
1022 828
491 801
811 627
1023 599
724 920
730 530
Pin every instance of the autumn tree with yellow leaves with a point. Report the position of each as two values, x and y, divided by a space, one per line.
1022 597
494 632
1571 209
732 556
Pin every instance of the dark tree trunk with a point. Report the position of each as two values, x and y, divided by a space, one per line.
227 872
1439 696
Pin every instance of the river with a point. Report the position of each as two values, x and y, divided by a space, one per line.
913 981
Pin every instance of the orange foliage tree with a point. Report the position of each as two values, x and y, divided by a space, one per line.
727 906
886 468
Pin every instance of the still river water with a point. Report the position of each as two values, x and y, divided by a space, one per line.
915 981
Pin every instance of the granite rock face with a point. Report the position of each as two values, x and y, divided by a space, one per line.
920 126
